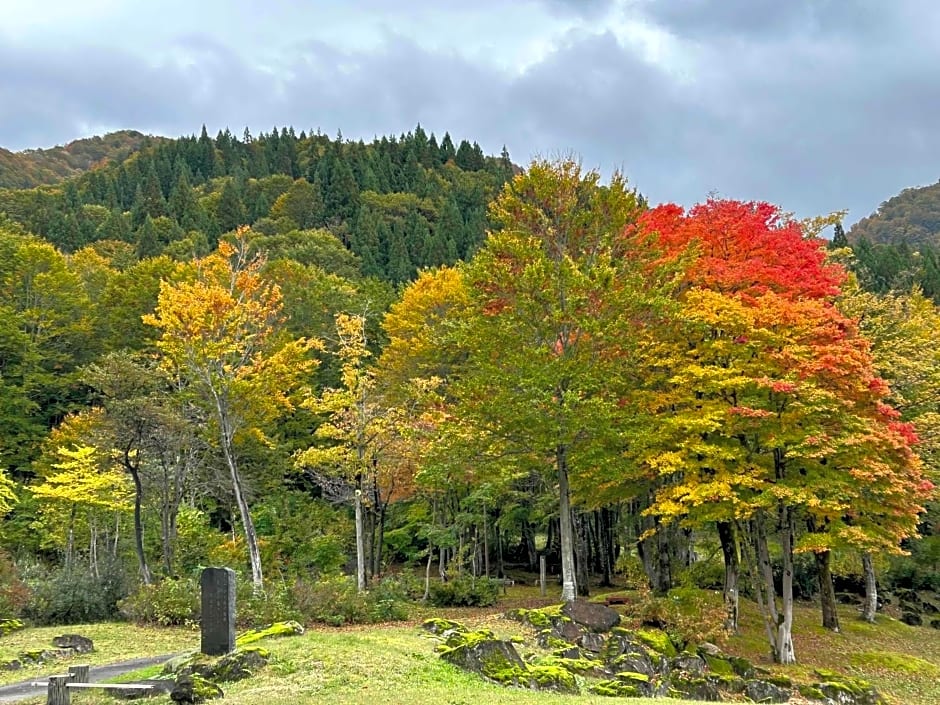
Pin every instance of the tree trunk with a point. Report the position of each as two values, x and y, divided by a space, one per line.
360 540
582 561
729 550
758 566
785 653
827 593
379 546
486 544
248 526
870 606
427 574
145 574
569 588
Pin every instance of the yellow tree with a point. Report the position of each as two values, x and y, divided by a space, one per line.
223 332
83 480
355 443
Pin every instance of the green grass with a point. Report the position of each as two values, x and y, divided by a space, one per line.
396 663
114 641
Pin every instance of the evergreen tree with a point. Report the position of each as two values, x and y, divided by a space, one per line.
838 238
231 211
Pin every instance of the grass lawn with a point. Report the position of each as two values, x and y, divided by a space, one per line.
396 663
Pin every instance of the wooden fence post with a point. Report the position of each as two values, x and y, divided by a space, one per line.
57 693
79 673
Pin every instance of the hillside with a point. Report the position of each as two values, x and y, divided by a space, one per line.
36 167
912 217
398 204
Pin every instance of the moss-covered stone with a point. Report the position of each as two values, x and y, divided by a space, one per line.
615 689
579 666
718 665
779 680
548 677
810 692
194 688
439 625
657 640
278 629
8 626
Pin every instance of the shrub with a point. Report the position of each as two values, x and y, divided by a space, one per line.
275 604
75 596
335 600
172 601
687 615
465 592
14 593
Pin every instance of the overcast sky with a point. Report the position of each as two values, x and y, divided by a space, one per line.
814 105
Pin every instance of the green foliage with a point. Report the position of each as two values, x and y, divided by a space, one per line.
63 596
172 601
687 616
334 600
465 592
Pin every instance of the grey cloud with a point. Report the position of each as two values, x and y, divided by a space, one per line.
803 122
711 19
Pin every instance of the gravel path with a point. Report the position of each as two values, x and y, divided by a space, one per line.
21 691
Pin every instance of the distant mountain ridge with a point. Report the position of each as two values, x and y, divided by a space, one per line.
36 167
912 217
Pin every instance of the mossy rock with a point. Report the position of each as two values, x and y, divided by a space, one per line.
8 626
549 677
779 680
439 625
175 664
577 666
810 692
762 691
239 665
193 688
278 629
693 688
718 665
615 689
633 677
657 640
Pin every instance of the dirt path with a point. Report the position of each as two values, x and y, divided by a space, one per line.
24 690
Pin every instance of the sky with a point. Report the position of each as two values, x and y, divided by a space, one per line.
814 105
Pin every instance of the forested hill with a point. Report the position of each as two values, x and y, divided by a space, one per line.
35 167
911 217
398 203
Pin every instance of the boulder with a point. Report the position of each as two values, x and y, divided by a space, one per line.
912 618
494 659
193 688
765 692
693 687
238 665
76 642
688 663
592 641
591 615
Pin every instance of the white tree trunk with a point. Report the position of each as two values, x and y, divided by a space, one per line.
870 606
785 653
569 586
360 545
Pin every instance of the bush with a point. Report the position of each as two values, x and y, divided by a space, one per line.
172 601
75 596
335 600
275 604
465 592
687 615
14 594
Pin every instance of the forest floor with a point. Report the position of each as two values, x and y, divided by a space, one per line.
396 663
